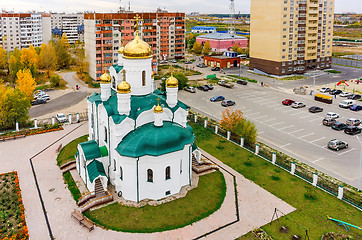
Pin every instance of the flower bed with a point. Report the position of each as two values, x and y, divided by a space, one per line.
27 132
12 218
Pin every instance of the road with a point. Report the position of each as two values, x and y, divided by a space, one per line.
64 101
295 132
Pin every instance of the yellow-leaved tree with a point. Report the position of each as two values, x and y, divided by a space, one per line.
25 82
48 57
207 48
3 59
30 59
197 48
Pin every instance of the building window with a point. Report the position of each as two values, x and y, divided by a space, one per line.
114 165
143 78
168 173
105 134
120 173
149 175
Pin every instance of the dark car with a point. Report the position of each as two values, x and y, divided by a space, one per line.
215 69
315 109
190 89
203 88
339 126
226 103
201 65
328 121
354 96
288 102
39 101
337 144
355 107
217 98
335 92
242 82
210 87
352 130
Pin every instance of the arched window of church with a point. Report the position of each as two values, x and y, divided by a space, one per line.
180 166
105 134
120 173
114 164
114 82
149 175
143 78
168 172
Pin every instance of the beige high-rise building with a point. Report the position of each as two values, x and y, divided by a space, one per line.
291 36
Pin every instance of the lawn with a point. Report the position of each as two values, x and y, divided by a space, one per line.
68 152
197 204
312 204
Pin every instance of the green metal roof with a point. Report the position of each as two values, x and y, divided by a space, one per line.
90 149
155 141
194 146
95 169
96 97
117 68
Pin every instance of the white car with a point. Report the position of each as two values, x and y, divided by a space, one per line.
325 89
298 105
61 117
332 115
345 94
346 103
353 122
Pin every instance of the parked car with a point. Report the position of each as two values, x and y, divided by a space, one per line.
298 105
353 122
352 130
345 94
337 144
346 103
190 89
42 95
38 101
173 61
242 82
223 83
338 126
355 107
325 89
354 96
288 102
315 109
201 65
217 98
226 103
203 88
61 117
328 121
188 62
210 87
335 92
215 69
332 115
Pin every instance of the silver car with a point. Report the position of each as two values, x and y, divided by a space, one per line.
337 144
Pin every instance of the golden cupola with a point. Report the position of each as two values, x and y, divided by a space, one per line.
121 49
137 48
158 108
172 82
105 77
124 87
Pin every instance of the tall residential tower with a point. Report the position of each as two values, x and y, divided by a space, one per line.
291 36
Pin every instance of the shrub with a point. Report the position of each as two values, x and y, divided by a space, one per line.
55 81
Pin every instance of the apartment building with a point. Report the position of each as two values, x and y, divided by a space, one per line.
20 30
103 33
70 24
291 36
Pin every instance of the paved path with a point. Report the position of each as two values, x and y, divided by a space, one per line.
256 205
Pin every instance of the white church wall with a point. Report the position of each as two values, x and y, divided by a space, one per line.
122 129
103 123
148 117
90 127
180 117
128 186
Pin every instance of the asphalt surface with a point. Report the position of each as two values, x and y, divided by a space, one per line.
295 132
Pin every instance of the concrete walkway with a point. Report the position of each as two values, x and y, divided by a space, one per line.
256 205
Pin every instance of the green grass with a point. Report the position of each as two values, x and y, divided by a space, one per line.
198 204
244 78
312 204
333 71
68 151
72 186
292 78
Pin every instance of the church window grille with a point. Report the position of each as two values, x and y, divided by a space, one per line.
105 134
120 173
168 172
114 164
149 175
143 78
114 82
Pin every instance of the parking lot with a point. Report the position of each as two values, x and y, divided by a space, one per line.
296 132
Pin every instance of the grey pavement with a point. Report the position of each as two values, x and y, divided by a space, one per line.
256 205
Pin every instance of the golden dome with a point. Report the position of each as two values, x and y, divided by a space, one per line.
123 87
172 82
105 78
158 108
137 48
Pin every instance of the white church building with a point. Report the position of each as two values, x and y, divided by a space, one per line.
139 139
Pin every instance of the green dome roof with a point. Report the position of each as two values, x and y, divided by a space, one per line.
151 140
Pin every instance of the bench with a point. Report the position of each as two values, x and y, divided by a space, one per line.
88 224
77 215
59 148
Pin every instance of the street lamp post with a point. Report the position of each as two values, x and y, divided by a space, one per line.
360 166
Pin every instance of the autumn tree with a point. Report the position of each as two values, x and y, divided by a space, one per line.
62 50
29 59
14 63
48 57
231 119
181 78
81 63
207 48
3 59
248 131
197 48
25 82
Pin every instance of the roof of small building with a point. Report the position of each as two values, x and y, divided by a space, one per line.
221 36
117 68
95 169
203 27
92 150
155 141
